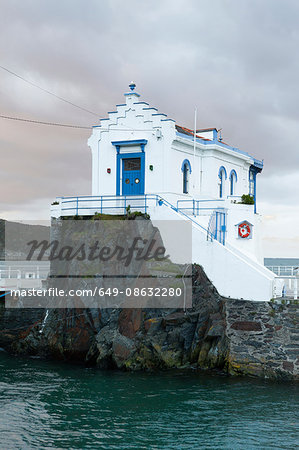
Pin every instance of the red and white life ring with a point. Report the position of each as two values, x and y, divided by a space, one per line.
244 230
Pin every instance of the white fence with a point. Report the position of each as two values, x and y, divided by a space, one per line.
284 270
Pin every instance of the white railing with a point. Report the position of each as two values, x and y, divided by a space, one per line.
118 205
10 272
102 204
199 207
284 270
289 287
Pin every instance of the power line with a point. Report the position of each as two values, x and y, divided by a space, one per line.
39 122
55 124
48 92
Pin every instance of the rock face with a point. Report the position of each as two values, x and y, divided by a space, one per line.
16 325
234 336
237 337
150 339
263 339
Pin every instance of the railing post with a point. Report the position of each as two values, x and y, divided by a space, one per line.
101 204
77 205
295 288
125 205
145 203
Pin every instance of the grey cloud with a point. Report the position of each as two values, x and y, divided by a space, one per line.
235 60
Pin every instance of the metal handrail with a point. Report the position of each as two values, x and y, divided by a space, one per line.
100 199
185 215
127 200
195 204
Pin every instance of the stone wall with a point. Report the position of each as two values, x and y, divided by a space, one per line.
263 339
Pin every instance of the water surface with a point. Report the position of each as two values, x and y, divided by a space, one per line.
53 405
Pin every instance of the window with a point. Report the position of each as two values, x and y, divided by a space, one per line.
253 171
132 164
186 169
251 182
185 179
222 177
233 179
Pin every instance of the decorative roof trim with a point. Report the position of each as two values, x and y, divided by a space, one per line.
128 143
132 93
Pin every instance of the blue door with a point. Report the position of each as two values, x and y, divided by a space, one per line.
132 180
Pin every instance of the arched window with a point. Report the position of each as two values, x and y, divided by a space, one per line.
252 178
232 182
186 169
222 177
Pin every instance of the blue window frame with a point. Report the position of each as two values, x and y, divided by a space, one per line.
252 184
186 169
233 179
222 175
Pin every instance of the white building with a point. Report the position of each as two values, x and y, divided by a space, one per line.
141 158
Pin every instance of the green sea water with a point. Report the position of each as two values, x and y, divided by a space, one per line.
47 405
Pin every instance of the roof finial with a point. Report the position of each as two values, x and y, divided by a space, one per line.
132 85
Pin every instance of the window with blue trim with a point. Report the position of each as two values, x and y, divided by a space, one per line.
186 169
253 171
251 183
233 180
222 177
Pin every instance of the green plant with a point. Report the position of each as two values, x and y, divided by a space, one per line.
247 199
134 214
55 203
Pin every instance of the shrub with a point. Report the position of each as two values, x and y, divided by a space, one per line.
247 199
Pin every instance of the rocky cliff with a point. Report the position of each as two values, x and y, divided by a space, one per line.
236 337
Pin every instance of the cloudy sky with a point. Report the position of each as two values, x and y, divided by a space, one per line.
236 60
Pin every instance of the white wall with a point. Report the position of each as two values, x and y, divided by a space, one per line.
233 274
